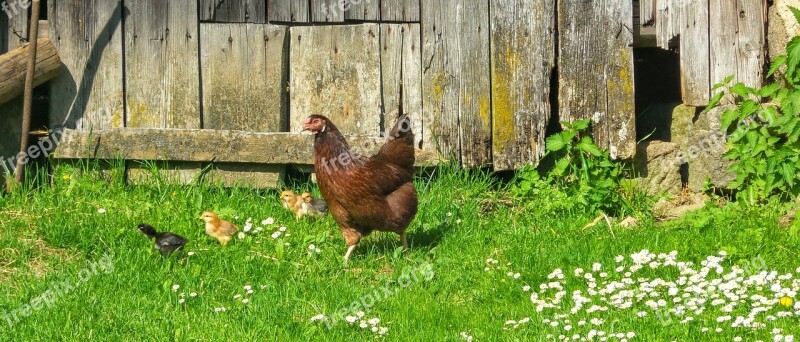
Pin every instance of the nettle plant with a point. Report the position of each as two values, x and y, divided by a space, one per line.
584 177
763 130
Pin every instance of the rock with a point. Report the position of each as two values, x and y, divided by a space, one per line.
701 145
781 26
629 222
706 162
658 166
665 210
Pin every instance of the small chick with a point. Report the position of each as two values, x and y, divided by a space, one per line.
314 207
293 203
219 229
166 242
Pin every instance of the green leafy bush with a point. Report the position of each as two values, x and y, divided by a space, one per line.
584 178
763 130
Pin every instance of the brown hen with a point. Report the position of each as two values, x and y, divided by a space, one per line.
365 194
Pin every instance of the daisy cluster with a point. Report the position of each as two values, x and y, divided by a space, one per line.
244 298
709 296
249 227
360 320
373 324
182 295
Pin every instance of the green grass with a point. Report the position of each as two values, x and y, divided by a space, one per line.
462 221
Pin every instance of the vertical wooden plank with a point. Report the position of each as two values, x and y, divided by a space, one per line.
162 77
369 10
288 11
455 83
723 19
335 71
234 11
595 68
242 68
523 58
328 11
694 54
668 21
407 10
750 42
647 11
401 64
15 24
88 93
243 78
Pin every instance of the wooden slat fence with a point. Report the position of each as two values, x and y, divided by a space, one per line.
482 79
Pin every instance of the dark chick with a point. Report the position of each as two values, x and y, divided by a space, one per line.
314 207
166 242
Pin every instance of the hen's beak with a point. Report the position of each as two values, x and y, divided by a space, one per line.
308 127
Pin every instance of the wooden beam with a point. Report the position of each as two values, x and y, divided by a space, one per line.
13 66
206 145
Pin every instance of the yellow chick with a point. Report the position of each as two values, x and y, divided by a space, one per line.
293 203
217 228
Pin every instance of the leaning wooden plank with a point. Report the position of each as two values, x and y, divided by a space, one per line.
406 10
207 145
328 11
456 79
750 42
694 47
367 10
401 65
234 11
243 78
289 11
88 94
595 69
14 66
521 32
336 71
161 67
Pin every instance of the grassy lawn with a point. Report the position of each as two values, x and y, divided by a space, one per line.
473 252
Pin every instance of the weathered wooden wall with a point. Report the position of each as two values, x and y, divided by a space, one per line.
715 38
481 78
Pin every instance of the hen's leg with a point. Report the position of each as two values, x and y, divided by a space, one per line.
351 237
404 240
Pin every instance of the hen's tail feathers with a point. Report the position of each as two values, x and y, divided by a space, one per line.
399 146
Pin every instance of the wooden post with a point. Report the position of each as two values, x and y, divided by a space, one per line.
28 98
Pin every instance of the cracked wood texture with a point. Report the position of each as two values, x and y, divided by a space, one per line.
162 64
290 11
88 37
595 71
234 11
523 58
336 72
401 64
402 10
242 68
456 80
